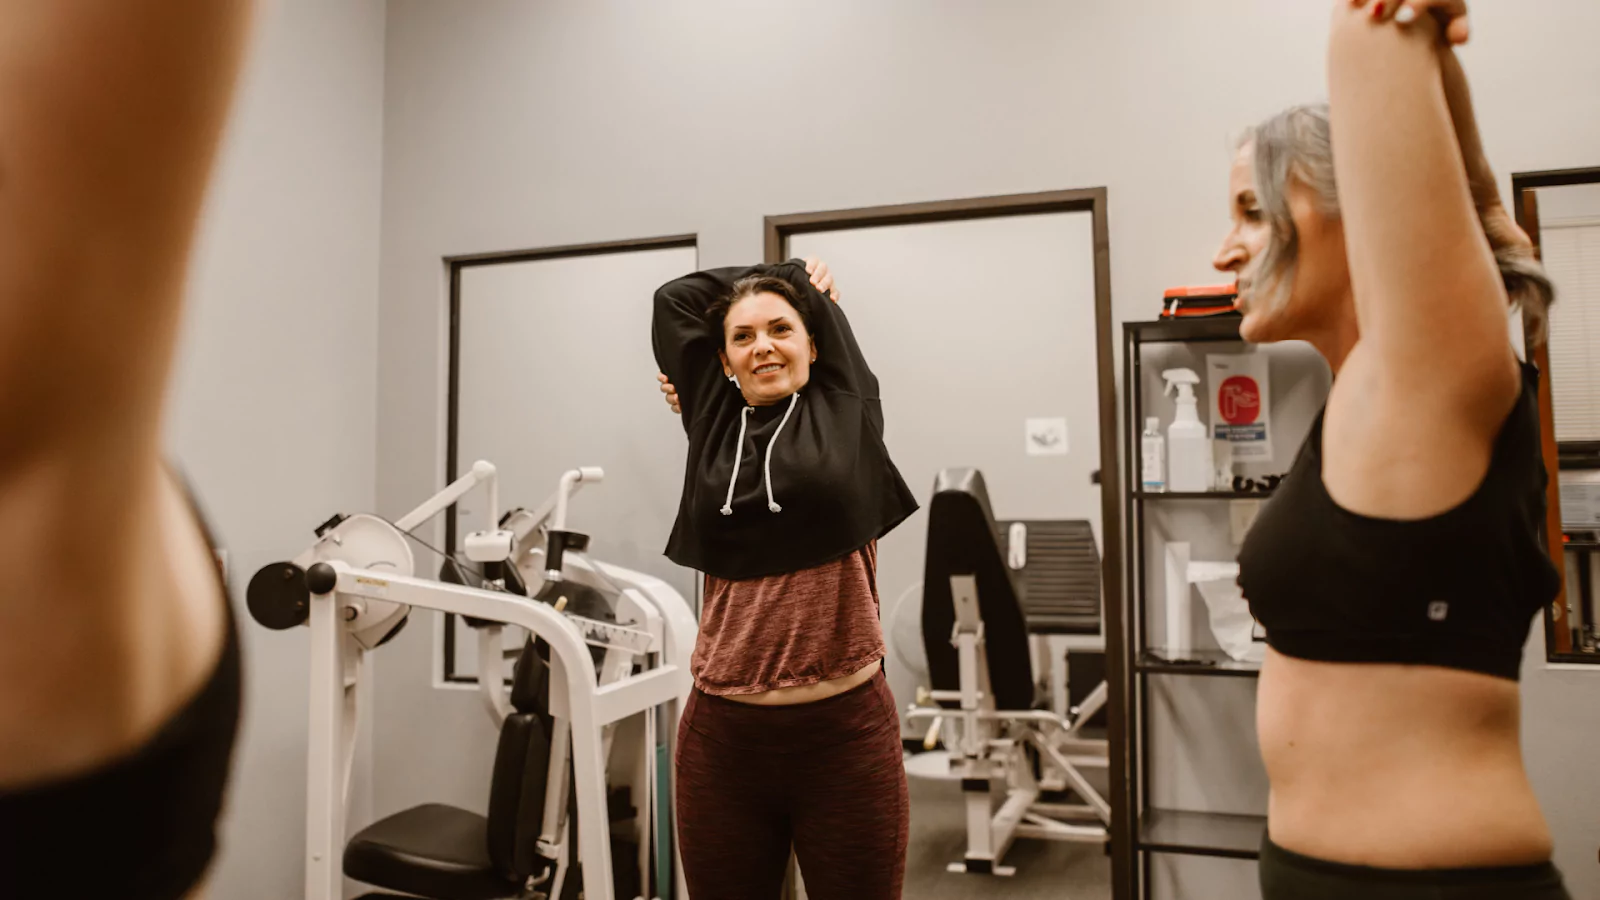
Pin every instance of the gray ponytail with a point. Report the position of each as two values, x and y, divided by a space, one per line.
1529 288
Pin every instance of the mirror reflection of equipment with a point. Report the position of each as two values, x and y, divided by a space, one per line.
590 675
1003 741
278 597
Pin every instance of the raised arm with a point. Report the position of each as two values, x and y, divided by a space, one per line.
821 278
1451 15
840 363
1498 224
1429 299
110 115
685 344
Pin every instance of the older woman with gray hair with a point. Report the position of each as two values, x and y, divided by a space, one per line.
1400 564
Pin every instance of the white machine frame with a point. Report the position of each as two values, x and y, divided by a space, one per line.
349 605
990 747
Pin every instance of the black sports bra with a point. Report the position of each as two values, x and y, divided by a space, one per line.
141 827
1456 590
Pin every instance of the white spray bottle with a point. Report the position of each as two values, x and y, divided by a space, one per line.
1188 443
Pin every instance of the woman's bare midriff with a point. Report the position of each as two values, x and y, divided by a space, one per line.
1401 767
810 693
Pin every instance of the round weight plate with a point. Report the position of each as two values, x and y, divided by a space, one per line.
277 596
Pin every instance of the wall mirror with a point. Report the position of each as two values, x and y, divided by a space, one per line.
1560 210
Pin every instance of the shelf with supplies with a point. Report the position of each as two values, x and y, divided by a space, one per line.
1194 535
1196 662
1195 328
1202 833
1201 495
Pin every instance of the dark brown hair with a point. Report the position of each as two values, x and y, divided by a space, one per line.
717 313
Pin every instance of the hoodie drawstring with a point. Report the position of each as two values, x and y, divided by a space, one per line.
771 503
738 456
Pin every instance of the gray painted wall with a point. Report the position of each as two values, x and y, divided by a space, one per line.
1572 201
512 125
273 411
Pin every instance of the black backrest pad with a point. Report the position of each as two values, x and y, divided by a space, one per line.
1059 582
961 541
530 679
516 795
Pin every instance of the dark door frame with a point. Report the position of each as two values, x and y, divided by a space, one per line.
1525 206
455 266
1094 202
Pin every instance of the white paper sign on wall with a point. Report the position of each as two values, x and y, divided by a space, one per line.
1046 437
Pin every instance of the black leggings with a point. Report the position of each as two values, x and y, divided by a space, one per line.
1286 874
826 778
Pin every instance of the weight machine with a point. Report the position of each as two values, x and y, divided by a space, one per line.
1010 751
622 650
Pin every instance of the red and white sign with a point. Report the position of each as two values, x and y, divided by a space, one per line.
1240 404
1239 400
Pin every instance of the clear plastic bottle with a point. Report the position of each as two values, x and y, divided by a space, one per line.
1189 468
1153 457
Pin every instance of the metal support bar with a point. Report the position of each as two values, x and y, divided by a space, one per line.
1086 710
577 698
1065 810
1079 784
980 838
1025 716
990 750
1006 820
325 826
438 503
1088 762
1071 833
644 691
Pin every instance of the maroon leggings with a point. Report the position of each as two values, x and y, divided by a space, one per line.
826 778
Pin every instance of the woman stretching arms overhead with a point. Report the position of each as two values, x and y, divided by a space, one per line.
790 738
1399 565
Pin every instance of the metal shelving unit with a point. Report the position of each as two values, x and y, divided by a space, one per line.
1195 662
1163 831
1148 496
1201 834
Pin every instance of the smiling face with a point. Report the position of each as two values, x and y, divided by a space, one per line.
766 347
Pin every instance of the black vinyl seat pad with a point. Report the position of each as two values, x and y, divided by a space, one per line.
432 850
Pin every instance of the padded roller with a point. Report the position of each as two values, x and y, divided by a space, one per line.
278 597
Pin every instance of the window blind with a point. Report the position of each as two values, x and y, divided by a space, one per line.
1571 252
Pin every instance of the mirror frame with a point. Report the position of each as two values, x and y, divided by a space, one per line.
1119 670
1525 207
454 266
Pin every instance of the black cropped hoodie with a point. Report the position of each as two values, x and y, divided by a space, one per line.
774 489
